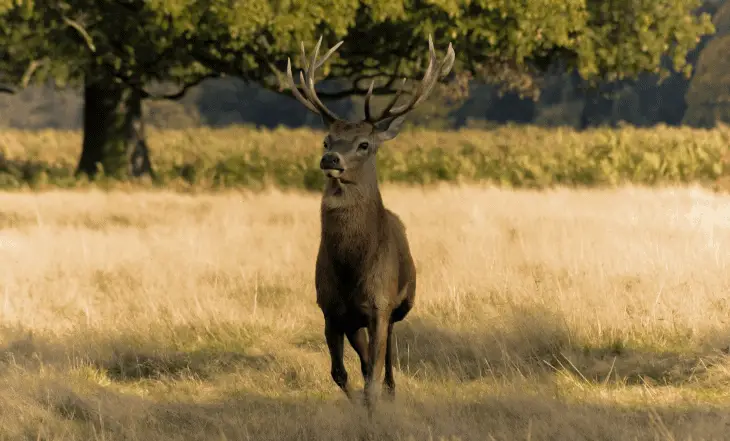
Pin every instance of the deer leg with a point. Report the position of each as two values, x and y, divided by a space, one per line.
378 330
389 382
335 343
359 341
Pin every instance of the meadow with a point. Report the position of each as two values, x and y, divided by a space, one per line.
568 314
571 286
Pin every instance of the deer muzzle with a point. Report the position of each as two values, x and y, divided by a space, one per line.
331 164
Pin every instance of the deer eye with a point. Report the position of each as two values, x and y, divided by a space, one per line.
325 145
363 146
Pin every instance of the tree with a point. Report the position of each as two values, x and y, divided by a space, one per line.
708 97
512 42
115 51
20 46
659 97
118 49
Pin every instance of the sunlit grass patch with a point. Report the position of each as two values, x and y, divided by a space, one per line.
560 314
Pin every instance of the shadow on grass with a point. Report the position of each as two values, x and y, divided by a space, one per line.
53 407
125 360
200 364
531 342
526 343
112 415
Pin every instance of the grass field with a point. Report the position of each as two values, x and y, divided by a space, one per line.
564 314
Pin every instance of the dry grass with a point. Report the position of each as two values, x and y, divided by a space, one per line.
567 315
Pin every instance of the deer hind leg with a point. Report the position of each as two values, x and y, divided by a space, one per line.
378 332
359 341
389 382
336 343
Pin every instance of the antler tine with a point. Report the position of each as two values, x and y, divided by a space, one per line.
303 55
430 77
448 61
394 100
306 77
369 95
295 89
329 54
424 87
417 93
313 63
309 89
305 74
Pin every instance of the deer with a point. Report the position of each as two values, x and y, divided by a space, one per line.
365 275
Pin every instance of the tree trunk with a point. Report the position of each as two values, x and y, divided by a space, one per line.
114 138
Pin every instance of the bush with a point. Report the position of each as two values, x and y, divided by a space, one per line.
520 157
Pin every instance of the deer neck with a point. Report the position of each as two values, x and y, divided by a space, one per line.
352 220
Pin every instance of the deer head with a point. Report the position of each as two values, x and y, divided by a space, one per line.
350 147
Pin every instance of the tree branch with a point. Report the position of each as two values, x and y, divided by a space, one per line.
82 32
180 93
25 79
280 86
385 89
218 66
28 74
131 80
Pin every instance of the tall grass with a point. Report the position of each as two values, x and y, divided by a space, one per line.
519 157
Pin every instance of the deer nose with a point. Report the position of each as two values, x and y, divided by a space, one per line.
330 161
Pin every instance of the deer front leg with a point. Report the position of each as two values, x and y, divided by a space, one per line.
335 343
378 330
389 382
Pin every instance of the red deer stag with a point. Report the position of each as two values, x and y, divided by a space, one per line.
365 277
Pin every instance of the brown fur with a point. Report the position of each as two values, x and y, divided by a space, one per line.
365 275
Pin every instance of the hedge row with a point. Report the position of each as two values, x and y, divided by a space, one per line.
510 156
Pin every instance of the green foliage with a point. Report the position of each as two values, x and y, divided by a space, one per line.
512 157
708 98
510 41
627 37
133 44
503 40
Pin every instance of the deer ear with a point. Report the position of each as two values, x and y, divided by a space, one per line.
389 128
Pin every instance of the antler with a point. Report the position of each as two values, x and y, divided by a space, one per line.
429 80
312 101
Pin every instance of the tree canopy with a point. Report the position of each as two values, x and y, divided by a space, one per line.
122 50
184 41
708 97
511 42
